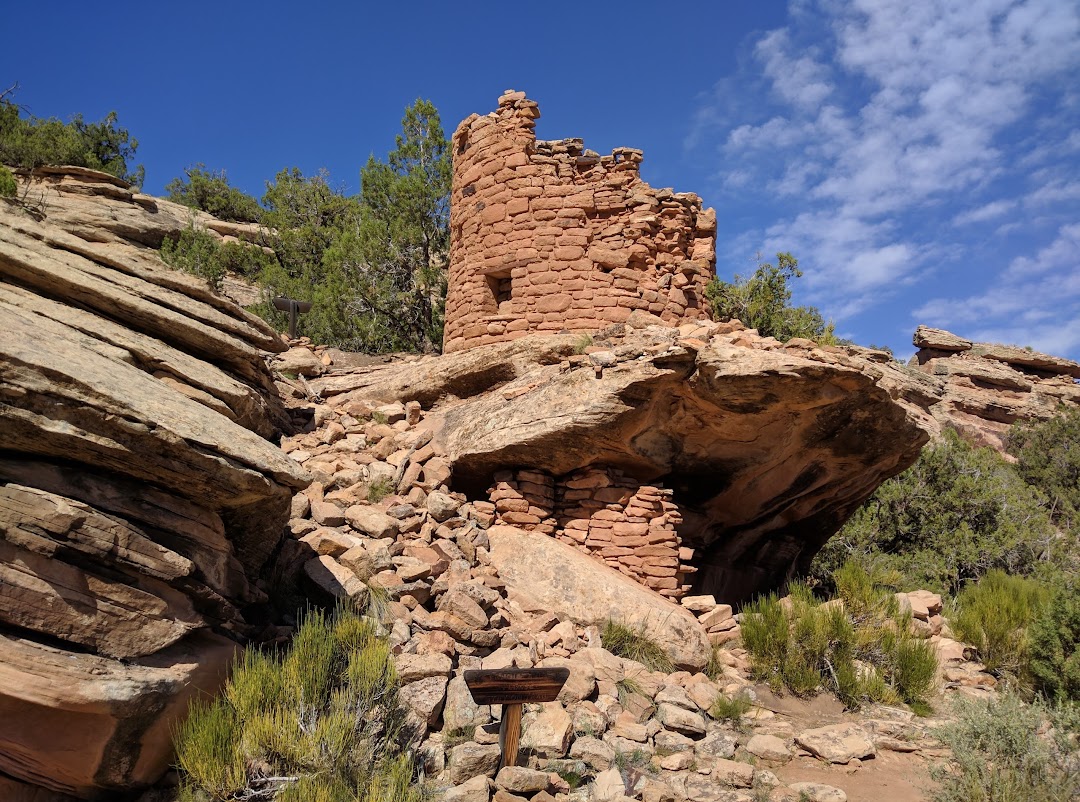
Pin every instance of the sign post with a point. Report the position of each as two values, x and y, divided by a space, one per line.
295 309
511 688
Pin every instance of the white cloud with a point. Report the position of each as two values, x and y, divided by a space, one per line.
1038 294
800 81
1063 254
1054 191
989 211
889 116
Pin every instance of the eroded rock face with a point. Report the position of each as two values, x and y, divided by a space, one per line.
140 495
988 387
768 448
90 726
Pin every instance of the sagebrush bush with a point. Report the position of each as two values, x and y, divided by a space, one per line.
1007 751
634 644
859 646
993 615
321 722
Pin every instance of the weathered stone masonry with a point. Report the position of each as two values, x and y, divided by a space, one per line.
549 236
605 513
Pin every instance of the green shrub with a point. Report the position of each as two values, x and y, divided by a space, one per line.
912 667
636 759
1054 643
860 646
320 722
993 615
765 634
1001 754
572 778
632 643
732 708
1048 457
627 687
379 489
452 736
196 252
202 254
714 668
956 514
8 187
210 191
373 265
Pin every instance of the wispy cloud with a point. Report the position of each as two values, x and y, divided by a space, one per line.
990 211
888 131
1035 301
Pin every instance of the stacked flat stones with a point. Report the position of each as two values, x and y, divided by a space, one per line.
548 235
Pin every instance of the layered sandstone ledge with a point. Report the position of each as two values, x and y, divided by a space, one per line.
988 387
702 457
547 236
140 491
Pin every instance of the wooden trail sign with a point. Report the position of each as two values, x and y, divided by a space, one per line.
511 688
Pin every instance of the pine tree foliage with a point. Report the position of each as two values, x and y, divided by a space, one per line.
27 141
956 514
211 192
762 301
1054 639
373 265
1048 457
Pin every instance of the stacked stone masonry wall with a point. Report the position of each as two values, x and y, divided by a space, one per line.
549 236
631 527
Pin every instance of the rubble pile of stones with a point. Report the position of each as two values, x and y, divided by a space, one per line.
381 526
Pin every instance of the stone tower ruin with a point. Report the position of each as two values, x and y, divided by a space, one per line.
548 236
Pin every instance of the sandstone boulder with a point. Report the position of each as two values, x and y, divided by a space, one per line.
521 780
90 726
572 585
837 743
475 790
768 747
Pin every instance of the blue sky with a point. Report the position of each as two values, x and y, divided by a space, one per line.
921 159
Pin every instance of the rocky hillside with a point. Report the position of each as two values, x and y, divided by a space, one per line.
765 448
458 588
141 492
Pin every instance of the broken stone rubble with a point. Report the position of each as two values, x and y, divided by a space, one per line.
454 604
